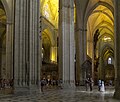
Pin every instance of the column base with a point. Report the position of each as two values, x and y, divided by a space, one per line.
27 89
68 85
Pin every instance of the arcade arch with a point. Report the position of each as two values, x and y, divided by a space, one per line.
100 19
49 30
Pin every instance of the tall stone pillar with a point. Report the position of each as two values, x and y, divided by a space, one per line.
9 50
34 40
9 41
66 43
80 54
27 43
81 48
117 48
102 68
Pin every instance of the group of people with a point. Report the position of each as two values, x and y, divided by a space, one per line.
89 84
101 86
49 82
6 83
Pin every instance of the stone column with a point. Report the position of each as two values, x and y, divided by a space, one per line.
9 42
81 48
93 61
18 32
27 43
66 43
101 63
81 52
117 48
9 51
34 41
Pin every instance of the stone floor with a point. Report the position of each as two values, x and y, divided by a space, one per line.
59 95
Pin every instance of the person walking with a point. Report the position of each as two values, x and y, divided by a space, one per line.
90 83
43 83
99 85
86 83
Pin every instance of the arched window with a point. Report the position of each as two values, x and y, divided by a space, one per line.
109 60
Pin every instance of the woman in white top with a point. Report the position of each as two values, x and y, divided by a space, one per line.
102 89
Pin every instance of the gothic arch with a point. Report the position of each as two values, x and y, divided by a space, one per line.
47 34
50 35
97 11
108 35
105 28
7 9
50 27
105 48
105 22
102 23
99 25
95 6
108 70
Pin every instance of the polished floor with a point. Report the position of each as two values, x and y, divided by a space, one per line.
61 95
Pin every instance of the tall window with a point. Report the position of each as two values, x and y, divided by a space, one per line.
109 60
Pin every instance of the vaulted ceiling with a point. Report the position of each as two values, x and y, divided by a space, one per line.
97 13
49 9
101 17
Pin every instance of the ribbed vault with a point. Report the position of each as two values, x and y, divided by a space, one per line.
101 18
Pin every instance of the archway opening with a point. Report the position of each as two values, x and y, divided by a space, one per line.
49 21
100 33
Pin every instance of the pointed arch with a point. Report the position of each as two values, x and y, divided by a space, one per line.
7 9
96 5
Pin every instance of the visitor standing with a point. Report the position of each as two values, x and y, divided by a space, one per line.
86 83
99 85
102 86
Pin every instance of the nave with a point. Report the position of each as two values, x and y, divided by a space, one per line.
61 95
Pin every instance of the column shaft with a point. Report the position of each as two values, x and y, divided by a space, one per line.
81 52
66 42
81 41
117 49
9 42
17 41
27 47
9 51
